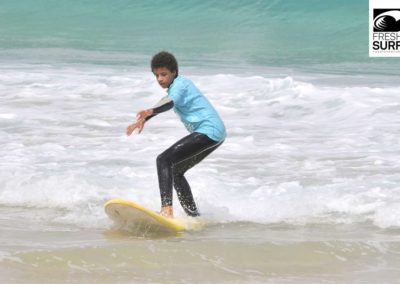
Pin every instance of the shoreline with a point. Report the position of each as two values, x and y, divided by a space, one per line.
238 252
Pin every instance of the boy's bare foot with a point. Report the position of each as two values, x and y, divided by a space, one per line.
167 211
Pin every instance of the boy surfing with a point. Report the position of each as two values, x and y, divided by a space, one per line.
206 128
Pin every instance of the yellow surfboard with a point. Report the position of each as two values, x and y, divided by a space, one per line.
139 219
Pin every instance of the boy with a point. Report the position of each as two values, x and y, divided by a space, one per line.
207 132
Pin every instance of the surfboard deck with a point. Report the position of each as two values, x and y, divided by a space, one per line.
139 219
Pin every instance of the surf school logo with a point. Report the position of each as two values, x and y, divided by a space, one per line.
384 36
386 20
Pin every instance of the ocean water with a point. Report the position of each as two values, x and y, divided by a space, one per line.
305 188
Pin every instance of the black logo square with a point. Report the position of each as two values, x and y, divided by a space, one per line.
386 20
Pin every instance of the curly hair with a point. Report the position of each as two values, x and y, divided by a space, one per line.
164 59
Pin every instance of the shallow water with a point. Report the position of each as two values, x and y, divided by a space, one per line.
304 189
239 252
296 151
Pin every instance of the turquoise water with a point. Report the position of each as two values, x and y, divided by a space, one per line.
273 32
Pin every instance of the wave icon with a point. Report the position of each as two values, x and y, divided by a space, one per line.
388 21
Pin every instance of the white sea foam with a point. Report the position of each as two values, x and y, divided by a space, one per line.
296 152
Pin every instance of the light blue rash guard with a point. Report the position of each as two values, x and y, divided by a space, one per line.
194 110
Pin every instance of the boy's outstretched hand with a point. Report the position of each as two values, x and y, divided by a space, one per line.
138 124
141 119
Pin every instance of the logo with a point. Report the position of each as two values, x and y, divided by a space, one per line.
384 28
386 20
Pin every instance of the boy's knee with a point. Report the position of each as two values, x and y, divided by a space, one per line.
160 159
163 159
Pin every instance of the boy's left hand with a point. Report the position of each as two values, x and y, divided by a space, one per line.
138 124
141 119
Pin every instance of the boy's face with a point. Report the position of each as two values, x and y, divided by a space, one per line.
164 76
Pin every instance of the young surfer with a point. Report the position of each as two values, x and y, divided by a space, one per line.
207 132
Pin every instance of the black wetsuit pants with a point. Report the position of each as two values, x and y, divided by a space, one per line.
175 161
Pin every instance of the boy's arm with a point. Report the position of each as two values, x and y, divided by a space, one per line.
160 109
144 115
163 105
